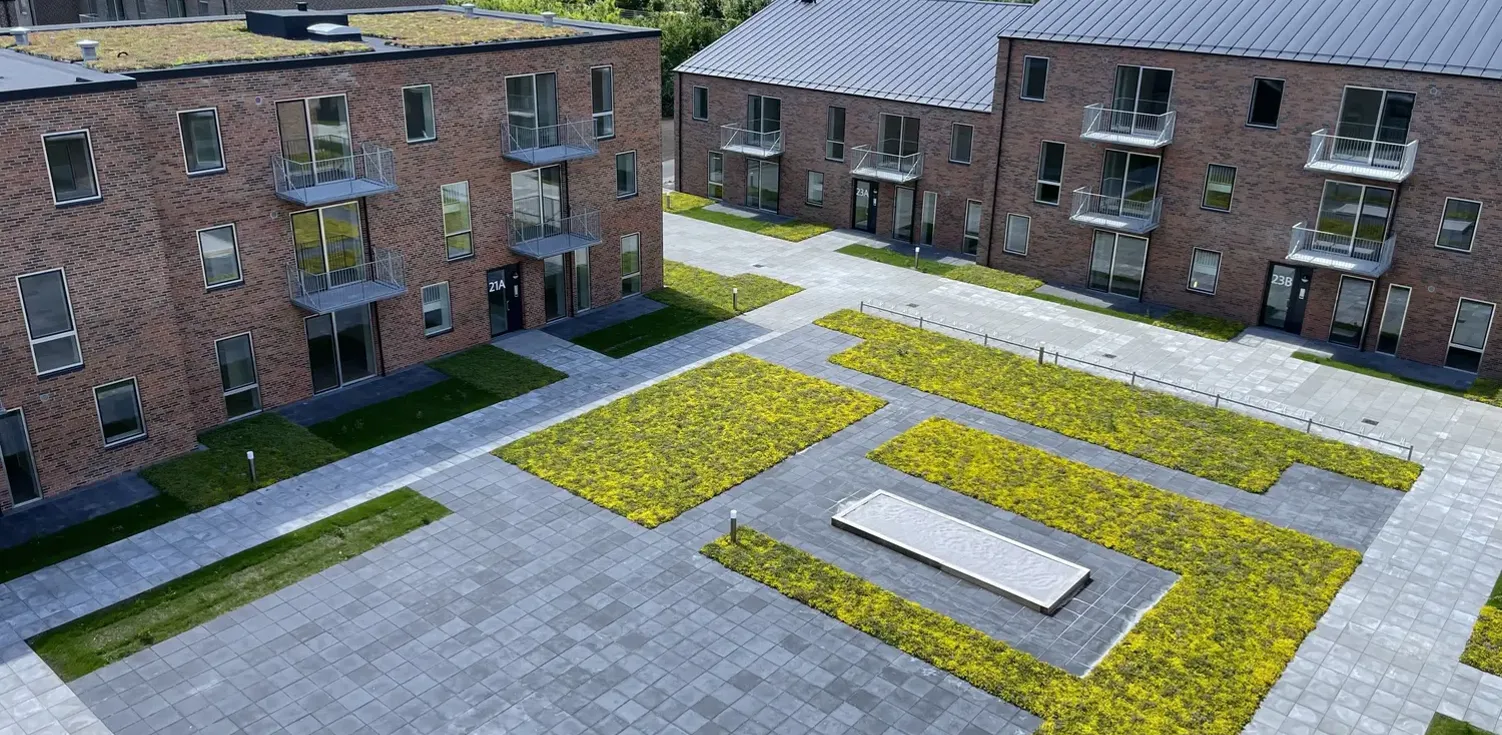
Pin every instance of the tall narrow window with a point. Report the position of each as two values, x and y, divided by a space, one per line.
700 109
1473 323
625 174
960 138
602 92
630 264
902 214
815 188
716 186
1034 78
1050 173
1019 229
1204 271
20 463
417 105
1394 313
457 236
119 406
237 375
49 321
582 291
972 227
1457 228
1267 103
202 149
1220 183
929 216
1353 302
436 316
70 162
834 134
220 254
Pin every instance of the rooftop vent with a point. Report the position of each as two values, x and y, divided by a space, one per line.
333 32
22 36
547 19
293 24
89 50
469 10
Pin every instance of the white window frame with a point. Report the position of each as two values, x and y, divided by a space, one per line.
93 167
1006 239
255 370
1441 229
1486 335
140 413
636 273
1391 287
1251 103
26 324
447 309
954 128
234 234
808 189
608 113
432 113
218 136
1038 173
709 175
693 102
1205 190
635 172
1022 88
1220 259
468 202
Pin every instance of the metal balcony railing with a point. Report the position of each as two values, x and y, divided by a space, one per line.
335 178
1128 214
538 238
873 163
1342 252
351 280
548 144
1371 159
1124 127
735 138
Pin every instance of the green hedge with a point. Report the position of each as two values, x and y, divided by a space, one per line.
669 447
1198 662
1212 443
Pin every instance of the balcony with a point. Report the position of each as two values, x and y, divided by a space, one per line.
549 144
361 282
535 239
869 163
737 139
1344 253
1367 159
1116 213
1120 127
335 179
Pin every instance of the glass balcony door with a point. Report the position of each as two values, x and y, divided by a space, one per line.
761 185
1353 302
316 139
20 465
537 202
1129 184
763 120
1141 92
330 251
1373 126
532 111
899 137
1117 263
1353 219
341 347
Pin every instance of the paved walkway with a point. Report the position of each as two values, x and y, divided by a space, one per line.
1382 660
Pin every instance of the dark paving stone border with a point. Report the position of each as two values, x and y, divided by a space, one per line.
51 515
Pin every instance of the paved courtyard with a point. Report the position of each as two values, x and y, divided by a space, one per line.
531 610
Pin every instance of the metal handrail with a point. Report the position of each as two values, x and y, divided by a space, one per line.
1393 159
565 133
529 228
869 159
1333 243
736 136
372 163
1214 399
1156 130
384 266
1088 203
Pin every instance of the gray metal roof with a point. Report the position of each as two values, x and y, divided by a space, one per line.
1460 37
932 52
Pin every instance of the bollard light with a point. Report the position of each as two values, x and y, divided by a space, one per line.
250 458
735 298
915 257
734 528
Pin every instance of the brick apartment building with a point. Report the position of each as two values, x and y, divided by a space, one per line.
191 244
1279 164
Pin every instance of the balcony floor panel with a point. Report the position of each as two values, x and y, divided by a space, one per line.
336 191
754 151
350 295
1337 262
547 247
548 155
883 174
1121 224
1136 141
1358 170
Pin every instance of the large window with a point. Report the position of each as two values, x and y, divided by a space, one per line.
972 227
329 247
625 174
237 375
417 107
1129 184
1050 173
834 134
315 137
1394 314
458 238
203 152
49 321
1353 219
1204 271
1117 263
763 184
815 188
537 203
532 111
1353 302
1034 78
960 138
119 406
700 103
70 162
899 139
716 186
602 94
1457 228
1220 184
1374 125
220 253
436 315
1267 103
1019 229
1473 322
630 264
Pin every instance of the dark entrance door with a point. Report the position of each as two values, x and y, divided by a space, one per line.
1287 293
864 215
504 287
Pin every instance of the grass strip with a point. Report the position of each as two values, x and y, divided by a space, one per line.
687 206
1442 725
1212 443
654 454
117 631
1482 390
1209 327
695 298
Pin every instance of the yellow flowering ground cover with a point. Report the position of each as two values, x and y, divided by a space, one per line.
131 48
434 28
1484 649
665 449
1213 443
1198 662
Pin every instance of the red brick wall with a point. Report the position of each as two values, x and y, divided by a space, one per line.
132 262
1273 191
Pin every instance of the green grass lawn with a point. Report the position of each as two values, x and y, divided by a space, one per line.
692 206
663 450
695 298
1442 725
1197 663
1482 390
1215 444
1210 327
110 634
